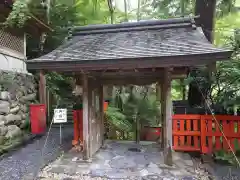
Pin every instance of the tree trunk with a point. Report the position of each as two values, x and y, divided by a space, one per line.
125 11
206 11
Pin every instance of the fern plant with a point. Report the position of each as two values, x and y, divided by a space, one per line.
118 119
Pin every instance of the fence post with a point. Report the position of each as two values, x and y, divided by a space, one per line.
203 135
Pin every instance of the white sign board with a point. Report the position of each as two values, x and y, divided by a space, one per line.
60 116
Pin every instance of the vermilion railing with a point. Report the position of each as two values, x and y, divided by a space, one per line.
201 133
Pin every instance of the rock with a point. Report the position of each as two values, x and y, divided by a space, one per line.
143 172
14 104
23 89
19 95
2 123
23 116
14 110
23 125
3 130
2 118
24 108
10 118
4 95
152 165
13 131
4 107
29 97
153 177
2 140
153 169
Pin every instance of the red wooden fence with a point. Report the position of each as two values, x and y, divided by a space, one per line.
201 133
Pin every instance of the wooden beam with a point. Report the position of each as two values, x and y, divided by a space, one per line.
65 65
167 117
86 153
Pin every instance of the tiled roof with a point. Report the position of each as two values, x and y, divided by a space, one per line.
158 38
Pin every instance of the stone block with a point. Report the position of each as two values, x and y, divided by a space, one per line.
4 107
13 131
10 118
14 110
3 130
29 97
4 95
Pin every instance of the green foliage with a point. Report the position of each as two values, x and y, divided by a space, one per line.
149 109
225 86
27 124
226 157
134 103
173 8
58 84
19 14
118 119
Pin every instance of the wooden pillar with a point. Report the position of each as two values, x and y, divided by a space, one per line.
158 98
166 110
42 88
86 152
101 104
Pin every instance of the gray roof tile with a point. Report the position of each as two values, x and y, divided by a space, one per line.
132 42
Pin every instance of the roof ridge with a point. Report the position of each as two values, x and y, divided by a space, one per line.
148 24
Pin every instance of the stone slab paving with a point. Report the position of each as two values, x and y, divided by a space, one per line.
24 163
225 172
115 161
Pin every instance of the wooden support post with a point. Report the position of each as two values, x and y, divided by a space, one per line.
86 153
158 98
42 88
91 117
167 116
162 99
101 104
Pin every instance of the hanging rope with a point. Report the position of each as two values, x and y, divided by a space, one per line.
219 126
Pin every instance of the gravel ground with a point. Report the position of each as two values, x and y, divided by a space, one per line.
25 162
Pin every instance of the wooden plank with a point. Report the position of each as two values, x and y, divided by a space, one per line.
225 131
186 116
189 141
218 144
238 129
86 153
204 148
183 131
186 133
232 132
195 129
175 130
186 148
210 138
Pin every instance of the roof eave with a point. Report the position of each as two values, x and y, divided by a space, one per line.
130 63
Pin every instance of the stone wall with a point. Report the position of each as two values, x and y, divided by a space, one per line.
17 91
